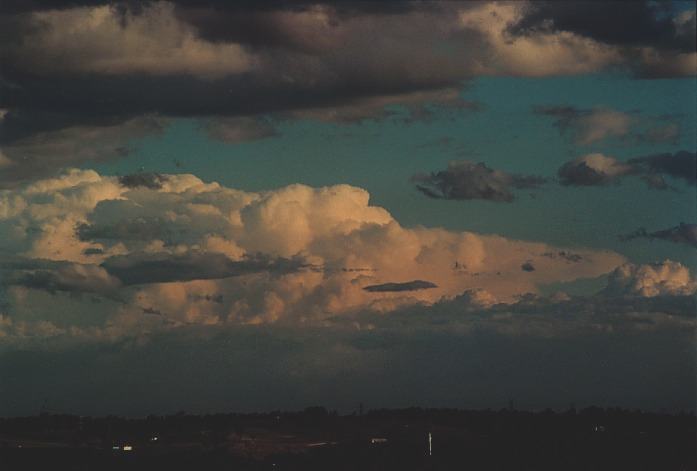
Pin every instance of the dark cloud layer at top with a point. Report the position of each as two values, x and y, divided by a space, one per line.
467 180
624 23
62 77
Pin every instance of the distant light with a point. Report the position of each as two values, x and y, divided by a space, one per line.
153 439
127 448
116 447
430 444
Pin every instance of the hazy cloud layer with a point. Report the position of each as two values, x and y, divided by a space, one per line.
80 80
592 126
383 366
465 180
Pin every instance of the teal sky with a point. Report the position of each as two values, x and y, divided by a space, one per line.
538 166
505 133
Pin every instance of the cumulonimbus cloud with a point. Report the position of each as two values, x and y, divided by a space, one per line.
292 254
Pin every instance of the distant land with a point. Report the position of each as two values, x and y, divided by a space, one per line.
318 439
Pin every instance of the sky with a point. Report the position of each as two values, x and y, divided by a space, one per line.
233 206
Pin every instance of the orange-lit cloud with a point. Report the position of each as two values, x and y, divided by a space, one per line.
174 249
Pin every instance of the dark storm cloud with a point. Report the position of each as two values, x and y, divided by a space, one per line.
287 59
681 234
414 285
164 267
24 6
465 180
67 91
622 23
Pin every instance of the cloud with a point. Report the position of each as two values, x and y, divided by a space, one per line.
239 129
63 276
658 279
667 133
148 180
570 257
681 165
104 40
405 286
42 152
598 169
165 267
635 298
680 234
72 69
643 323
465 180
588 126
628 24
592 126
294 254
406 107
593 170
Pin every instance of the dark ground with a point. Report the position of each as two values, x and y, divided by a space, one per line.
592 439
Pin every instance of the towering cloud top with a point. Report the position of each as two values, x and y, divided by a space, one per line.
168 244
